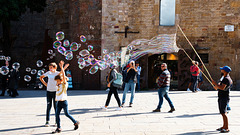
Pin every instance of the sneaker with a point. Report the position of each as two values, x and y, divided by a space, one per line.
119 109
47 124
157 110
58 130
122 104
107 89
104 108
76 125
130 105
188 89
172 110
199 89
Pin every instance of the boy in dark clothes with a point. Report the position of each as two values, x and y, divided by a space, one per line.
223 96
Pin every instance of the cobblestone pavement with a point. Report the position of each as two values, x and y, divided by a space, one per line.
196 113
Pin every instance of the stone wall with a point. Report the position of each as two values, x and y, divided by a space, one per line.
203 22
139 15
75 18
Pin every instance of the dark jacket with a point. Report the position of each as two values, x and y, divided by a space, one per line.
13 79
131 75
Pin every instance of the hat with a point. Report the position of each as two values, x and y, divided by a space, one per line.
226 68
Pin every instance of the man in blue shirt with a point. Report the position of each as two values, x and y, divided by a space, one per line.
139 69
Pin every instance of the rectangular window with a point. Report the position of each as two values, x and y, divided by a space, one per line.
204 57
167 13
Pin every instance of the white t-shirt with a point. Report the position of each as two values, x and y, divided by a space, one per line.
61 94
51 85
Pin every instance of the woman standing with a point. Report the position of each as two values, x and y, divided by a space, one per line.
113 90
130 83
13 82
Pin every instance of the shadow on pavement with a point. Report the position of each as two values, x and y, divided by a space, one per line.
83 111
22 128
120 115
192 115
199 133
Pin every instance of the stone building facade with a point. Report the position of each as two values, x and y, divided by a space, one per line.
202 21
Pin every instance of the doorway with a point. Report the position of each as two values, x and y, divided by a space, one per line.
154 68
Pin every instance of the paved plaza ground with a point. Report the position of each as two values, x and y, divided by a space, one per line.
196 114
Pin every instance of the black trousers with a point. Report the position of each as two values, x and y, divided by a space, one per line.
13 92
50 99
4 87
113 90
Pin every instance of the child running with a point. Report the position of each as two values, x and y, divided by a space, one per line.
61 98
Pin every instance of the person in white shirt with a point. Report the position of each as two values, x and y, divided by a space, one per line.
51 89
61 98
139 69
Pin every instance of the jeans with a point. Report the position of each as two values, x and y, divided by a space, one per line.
163 92
50 99
63 105
138 83
130 85
113 90
195 83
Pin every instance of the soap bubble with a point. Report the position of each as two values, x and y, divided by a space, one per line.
81 61
2 57
105 51
8 58
91 56
102 65
50 51
81 66
16 65
66 43
61 50
56 44
84 53
54 54
39 63
40 85
83 38
60 36
28 69
4 70
93 61
51 57
106 57
99 57
74 46
90 47
69 55
87 61
34 71
93 69
27 78
40 72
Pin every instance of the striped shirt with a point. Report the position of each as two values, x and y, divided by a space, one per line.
164 79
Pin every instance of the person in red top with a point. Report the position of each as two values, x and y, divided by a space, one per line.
194 69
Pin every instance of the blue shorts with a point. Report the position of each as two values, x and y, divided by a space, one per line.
200 79
222 105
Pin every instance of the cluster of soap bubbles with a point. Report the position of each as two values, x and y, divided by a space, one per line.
32 72
85 56
4 70
65 47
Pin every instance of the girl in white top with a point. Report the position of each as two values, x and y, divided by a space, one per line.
61 98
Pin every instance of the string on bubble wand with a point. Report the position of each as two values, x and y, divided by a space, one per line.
194 51
196 65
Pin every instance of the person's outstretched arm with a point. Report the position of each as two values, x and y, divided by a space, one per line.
63 70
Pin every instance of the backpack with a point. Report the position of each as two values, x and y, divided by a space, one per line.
119 81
